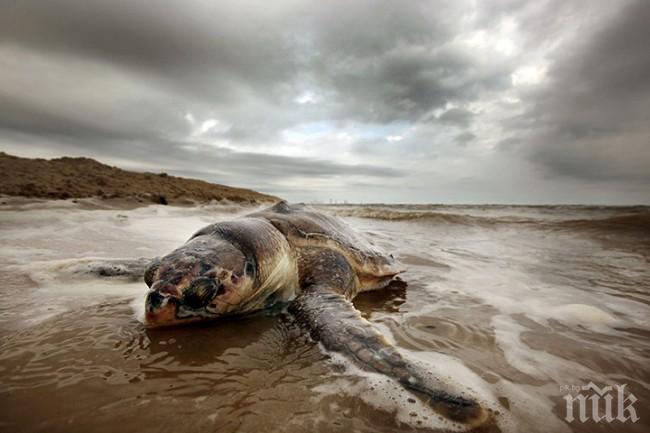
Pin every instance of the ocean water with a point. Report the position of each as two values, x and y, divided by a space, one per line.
518 305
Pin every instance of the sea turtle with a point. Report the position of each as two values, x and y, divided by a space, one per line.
313 262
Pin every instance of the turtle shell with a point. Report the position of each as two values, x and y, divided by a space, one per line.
305 227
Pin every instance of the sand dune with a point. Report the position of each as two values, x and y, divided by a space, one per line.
64 178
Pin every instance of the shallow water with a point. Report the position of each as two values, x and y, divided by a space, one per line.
511 302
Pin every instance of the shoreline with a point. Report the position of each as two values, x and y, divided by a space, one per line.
15 203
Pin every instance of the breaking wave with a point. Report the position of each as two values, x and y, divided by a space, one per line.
411 215
639 221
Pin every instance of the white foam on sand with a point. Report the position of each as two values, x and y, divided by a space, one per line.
530 410
506 270
582 314
451 371
386 394
535 363
137 306
50 241
523 285
59 289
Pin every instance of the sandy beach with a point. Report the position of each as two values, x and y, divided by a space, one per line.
513 303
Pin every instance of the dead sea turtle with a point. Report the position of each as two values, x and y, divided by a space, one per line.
290 253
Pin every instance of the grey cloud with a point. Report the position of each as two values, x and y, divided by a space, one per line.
143 120
465 137
218 164
137 82
539 19
364 54
593 121
245 64
409 82
275 166
196 46
239 63
508 143
457 116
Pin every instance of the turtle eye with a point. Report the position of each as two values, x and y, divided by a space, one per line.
249 269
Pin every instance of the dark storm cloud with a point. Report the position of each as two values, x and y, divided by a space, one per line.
378 62
593 121
226 90
194 45
410 82
145 120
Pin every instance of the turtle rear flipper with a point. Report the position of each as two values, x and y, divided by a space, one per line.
325 310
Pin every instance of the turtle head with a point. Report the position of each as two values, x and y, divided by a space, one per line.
204 279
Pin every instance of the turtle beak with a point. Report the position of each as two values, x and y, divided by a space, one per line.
161 309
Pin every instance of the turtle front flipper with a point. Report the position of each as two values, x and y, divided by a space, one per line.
125 269
332 319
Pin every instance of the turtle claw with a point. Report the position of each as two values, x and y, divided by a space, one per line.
453 407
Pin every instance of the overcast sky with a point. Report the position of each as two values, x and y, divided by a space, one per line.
544 101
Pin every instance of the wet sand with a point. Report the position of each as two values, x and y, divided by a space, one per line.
511 302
